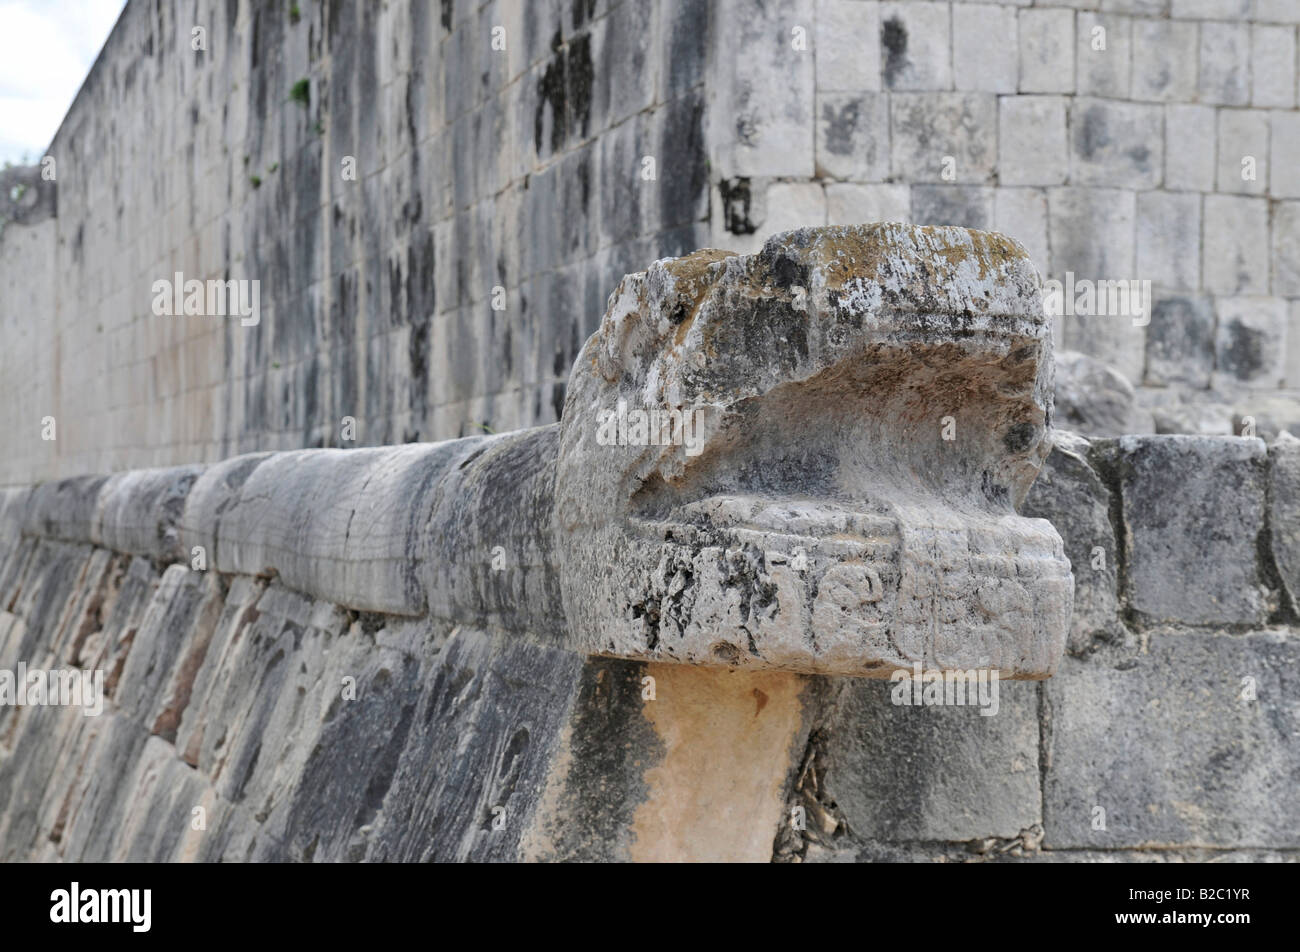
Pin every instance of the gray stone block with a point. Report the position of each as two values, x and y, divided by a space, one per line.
1071 496
1192 510
1235 253
977 30
905 773
1046 44
1284 514
1168 240
1113 144
853 136
1273 66
139 512
1164 65
1032 147
1249 342
1243 151
927 127
1225 62
1180 341
1104 54
968 206
1286 249
916 53
848 46
1161 738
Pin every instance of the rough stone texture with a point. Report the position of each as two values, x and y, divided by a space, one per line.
903 773
1284 514
775 543
379 293
1158 736
1094 399
377 305
1071 493
1191 556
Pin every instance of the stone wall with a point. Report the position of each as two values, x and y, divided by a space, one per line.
1109 138
475 169
602 136
1168 732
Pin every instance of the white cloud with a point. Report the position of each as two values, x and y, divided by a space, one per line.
46 50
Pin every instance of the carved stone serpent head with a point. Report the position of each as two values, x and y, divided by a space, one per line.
809 458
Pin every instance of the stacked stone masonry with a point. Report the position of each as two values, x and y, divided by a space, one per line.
1150 140
225 693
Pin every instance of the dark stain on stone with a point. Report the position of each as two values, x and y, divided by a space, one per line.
565 87
583 10
893 36
448 6
736 201
612 747
1020 437
1244 357
1091 135
840 125
684 178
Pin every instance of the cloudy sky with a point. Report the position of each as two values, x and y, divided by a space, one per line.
46 49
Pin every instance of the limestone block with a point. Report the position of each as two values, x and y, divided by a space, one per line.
967 206
64 509
916 52
1070 495
928 128
848 204
1189 161
1180 341
1104 53
1225 61
168 648
1243 151
1031 140
1249 343
1284 144
902 772
1284 513
1235 254
1273 66
1046 51
706 548
138 511
214 491
1168 240
1113 144
767 92
979 29
1164 741
1286 249
1164 65
1021 213
853 136
1192 509
848 46
341 524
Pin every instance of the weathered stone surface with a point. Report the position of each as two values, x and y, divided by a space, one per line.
1160 737
1192 510
900 773
714 552
1180 341
1094 399
1284 515
138 511
1070 495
